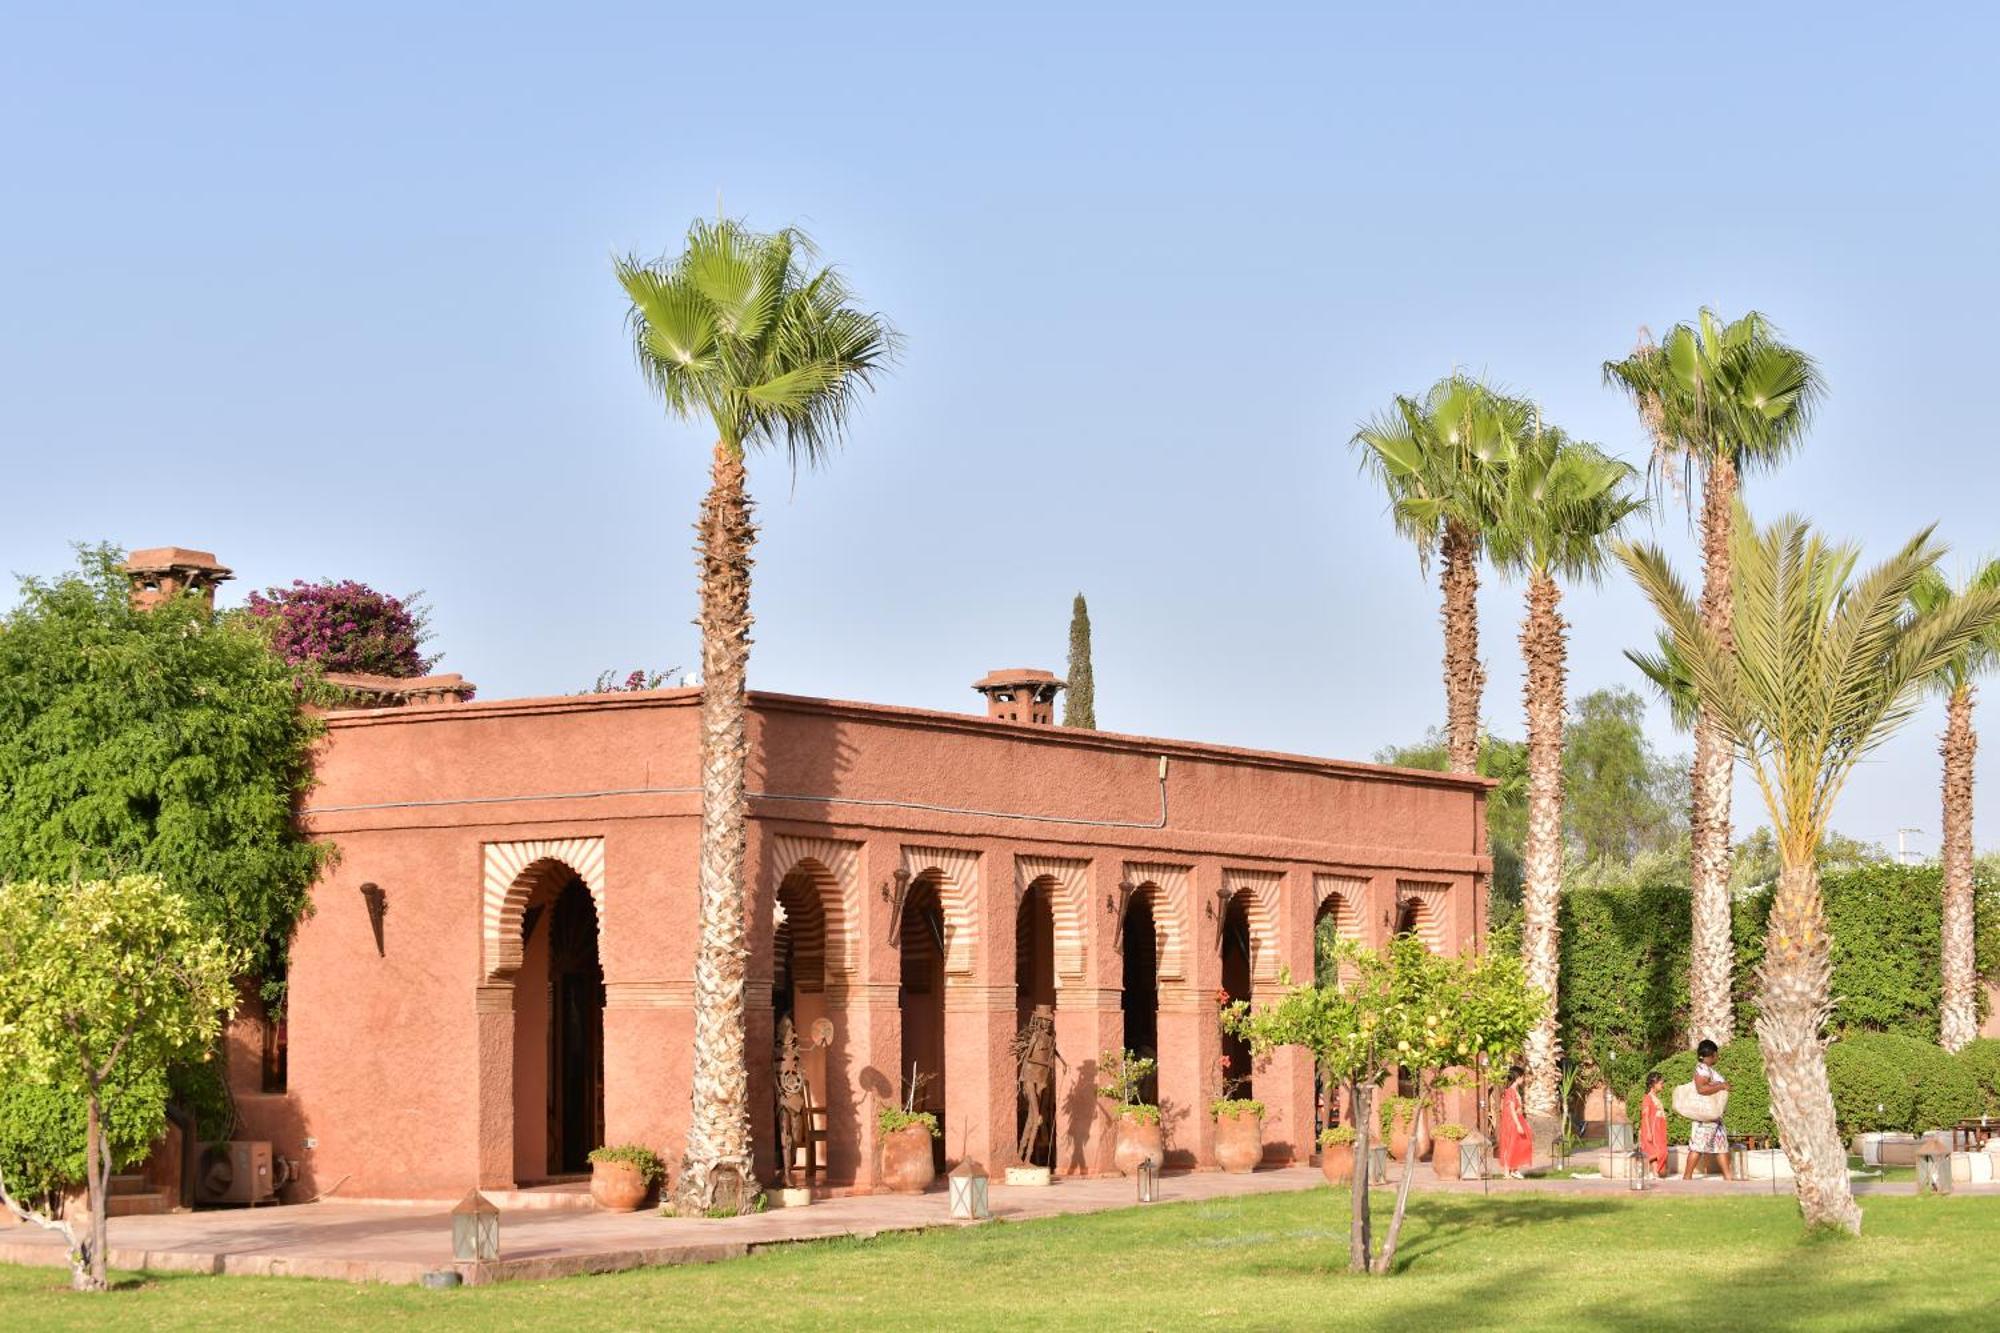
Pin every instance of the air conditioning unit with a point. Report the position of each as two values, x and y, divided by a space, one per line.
238 1171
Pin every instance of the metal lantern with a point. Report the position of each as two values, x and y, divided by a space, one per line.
1472 1157
1621 1138
1638 1168
1149 1180
967 1182
1739 1159
1933 1172
1378 1164
475 1230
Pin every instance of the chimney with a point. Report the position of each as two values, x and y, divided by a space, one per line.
161 572
1020 695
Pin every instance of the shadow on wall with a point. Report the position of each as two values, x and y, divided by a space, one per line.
1174 1119
1080 1113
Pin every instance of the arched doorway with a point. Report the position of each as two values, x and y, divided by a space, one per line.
920 996
1035 986
1236 984
558 1033
798 993
1333 923
1141 1001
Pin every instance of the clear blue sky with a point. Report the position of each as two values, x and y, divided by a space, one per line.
332 296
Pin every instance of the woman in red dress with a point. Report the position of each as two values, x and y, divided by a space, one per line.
1653 1125
1517 1142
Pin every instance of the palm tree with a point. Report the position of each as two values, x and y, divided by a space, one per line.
1958 1020
1819 669
1441 458
1561 502
741 329
1719 399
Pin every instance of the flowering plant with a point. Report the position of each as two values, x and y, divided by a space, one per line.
345 626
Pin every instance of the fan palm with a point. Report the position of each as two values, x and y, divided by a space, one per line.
740 329
1441 459
1561 502
1718 399
1821 666
1958 1018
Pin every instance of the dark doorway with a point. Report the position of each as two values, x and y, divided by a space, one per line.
1236 982
1034 986
921 999
1142 989
576 1032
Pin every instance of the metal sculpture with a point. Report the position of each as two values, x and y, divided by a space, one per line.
1036 1061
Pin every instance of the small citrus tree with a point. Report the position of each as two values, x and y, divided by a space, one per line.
102 982
1397 1007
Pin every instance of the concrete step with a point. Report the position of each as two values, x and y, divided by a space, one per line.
131 1183
563 1196
138 1205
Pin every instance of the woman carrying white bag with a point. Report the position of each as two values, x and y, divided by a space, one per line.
1702 1103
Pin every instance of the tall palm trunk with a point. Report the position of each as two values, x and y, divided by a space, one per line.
1542 649
1794 982
716 1168
1464 677
1959 1019
1710 1011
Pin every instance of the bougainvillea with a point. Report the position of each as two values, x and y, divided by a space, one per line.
344 626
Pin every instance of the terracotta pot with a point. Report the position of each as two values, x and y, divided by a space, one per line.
906 1160
1138 1140
618 1187
1239 1142
1445 1160
1397 1137
1336 1163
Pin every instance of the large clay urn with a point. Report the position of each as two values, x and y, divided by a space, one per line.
1138 1140
906 1159
618 1187
1336 1162
1444 1162
1239 1142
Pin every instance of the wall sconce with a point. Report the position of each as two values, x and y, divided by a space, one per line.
1219 909
378 907
1116 905
894 897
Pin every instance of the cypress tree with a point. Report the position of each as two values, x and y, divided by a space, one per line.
1080 709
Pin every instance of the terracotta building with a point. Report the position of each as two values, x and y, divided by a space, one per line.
495 975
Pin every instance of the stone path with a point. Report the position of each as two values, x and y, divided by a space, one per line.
400 1243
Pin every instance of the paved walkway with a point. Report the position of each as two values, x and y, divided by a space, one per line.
400 1243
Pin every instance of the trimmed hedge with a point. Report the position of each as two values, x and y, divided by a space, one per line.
1981 1059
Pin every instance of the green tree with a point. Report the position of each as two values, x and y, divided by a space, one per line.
1560 503
103 983
742 330
169 742
1718 399
1819 667
1080 708
1960 1014
1441 460
1623 798
1400 1007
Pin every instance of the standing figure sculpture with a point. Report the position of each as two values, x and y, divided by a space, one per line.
1036 1060
794 1101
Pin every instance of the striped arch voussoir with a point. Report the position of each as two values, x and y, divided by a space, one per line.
1259 890
1167 886
1069 898
834 869
1429 900
512 873
956 875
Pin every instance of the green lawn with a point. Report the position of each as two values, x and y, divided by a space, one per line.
1274 1261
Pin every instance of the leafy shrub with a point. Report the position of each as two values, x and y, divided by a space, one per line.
1450 1131
1337 1136
1230 1108
42 1131
1140 1114
632 1154
892 1118
1871 1092
1742 1064
1981 1059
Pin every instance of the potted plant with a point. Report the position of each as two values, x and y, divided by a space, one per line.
1239 1126
906 1135
1445 1160
1402 1117
621 1174
1138 1122
1336 1154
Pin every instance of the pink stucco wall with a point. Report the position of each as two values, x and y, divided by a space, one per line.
408 1071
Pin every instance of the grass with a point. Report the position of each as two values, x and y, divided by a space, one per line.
1272 1261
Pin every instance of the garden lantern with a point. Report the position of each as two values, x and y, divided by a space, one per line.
475 1230
968 1192
1621 1137
1378 1165
1637 1168
1149 1180
1472 1157
1739 1159
1933 1172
